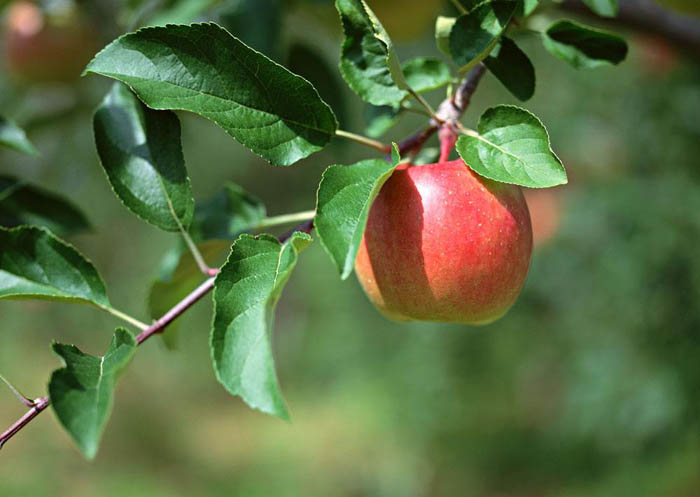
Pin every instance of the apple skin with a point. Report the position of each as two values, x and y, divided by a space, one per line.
445 244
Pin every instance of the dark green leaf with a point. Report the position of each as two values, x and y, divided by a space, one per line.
443 27
14 137
34 264
381 119
258 24
512 147
312 65
227 214
368 61
21 203
474 34
512 68
245 294
604 8
166 292
82 393
201 68
345 196
583 46
425 74
141 153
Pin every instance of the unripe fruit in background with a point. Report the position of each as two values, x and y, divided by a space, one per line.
40 48
445 244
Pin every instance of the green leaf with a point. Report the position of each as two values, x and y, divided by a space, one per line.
227 214
345 196
443 27
512 68
181 12
476 33
381 119
582 46
513 147
245 294
141 153
258 24
604 8
526 8
312 64
166 292
425 74
14 137
201 68
22 203
368 60
82 393
34 264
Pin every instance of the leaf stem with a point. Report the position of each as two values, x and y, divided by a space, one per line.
196 254
363 140
25 400
286 219
458 5
425 105
125 317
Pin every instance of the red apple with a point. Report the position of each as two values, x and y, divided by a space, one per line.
41 48
445 244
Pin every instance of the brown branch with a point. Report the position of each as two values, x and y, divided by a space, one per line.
648 17
450 110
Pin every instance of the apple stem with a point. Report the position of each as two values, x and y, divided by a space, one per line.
448 138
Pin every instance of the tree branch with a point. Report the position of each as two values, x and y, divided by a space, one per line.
450 110
648 17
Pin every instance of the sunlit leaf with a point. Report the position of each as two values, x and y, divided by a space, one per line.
443 26
82 393
34 264
345 196
512 147
368 60
202 68
245 294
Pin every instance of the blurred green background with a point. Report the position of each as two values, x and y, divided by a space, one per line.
589 386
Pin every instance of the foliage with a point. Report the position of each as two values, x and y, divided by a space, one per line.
204 69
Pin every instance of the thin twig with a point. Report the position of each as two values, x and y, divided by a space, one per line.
458 5
39 405
450 110
22 398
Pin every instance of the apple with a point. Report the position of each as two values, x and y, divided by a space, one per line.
445 244
41 48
